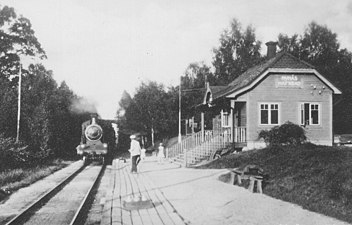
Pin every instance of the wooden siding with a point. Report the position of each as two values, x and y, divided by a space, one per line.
289 100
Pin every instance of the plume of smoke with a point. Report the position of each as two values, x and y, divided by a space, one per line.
83 105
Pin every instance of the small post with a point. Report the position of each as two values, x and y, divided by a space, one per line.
185 157
232 178
193 125
259 186
202 125
251 184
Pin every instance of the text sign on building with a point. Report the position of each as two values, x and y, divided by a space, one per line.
288 81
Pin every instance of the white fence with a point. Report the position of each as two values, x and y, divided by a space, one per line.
196 147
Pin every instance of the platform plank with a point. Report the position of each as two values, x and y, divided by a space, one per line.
168 213
123 208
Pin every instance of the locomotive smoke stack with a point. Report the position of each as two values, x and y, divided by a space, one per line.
93 120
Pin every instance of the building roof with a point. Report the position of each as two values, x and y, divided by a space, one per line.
217 90
281 62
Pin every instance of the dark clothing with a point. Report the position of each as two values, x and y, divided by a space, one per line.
135 160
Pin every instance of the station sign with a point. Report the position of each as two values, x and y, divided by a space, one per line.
288 81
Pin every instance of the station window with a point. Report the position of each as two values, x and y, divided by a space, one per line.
310 114
269 114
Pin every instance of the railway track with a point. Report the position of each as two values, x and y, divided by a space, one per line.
67 203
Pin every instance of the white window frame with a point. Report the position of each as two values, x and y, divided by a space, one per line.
269 113
225 119
310 121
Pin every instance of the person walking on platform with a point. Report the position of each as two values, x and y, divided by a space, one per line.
161 154
135 151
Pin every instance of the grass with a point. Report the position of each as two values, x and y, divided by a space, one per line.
318 178
14 179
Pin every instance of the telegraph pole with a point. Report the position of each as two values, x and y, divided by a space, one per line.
19 104
179 112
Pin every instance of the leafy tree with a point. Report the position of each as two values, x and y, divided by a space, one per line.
8 109
193 86
238 51
319 44
65 125
289 44
151 111
124 103
196 76
46 120
37 89
17 38
149 101
126 100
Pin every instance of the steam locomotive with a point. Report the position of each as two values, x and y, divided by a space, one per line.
92 147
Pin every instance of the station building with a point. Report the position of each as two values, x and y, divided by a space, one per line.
283 88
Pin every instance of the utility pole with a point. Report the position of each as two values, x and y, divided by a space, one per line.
19 104
179 112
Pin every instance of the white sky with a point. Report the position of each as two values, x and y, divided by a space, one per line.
101 48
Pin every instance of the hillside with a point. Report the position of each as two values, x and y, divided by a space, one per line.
318 178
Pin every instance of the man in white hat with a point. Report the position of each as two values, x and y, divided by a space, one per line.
135 151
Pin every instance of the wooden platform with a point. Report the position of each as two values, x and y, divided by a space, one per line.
133 199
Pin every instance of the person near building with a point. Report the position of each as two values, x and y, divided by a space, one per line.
135 151
143 151
161 154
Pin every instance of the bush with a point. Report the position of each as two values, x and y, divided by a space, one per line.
19 155
286 134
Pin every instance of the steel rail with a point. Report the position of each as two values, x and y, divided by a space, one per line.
43 198
78 218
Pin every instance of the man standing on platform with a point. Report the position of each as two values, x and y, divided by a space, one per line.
135 151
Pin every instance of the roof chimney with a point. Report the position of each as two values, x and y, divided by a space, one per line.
271 49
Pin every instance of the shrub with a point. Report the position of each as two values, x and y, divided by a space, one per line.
286 134
11 153
18 155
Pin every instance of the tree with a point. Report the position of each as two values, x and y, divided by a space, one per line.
124 103
150 111
8 109
47 121
37 89
65 121
238 51
319 44
289 44
17 38
197 75
150 101
193 87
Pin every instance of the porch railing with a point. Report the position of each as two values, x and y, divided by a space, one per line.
195 147
240 134
187 143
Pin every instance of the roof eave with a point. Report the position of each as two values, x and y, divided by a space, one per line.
235 93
